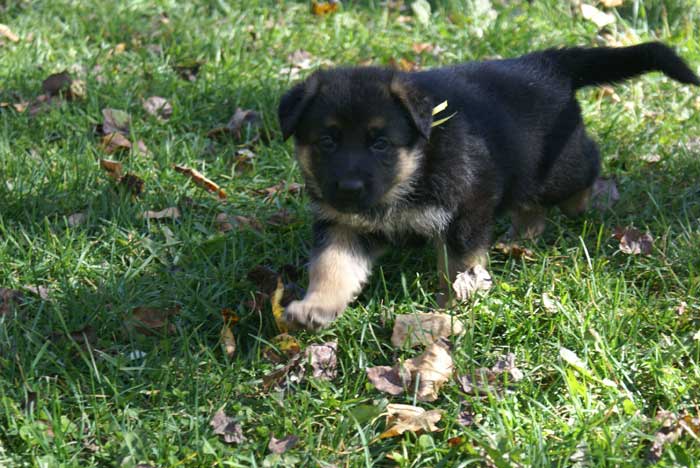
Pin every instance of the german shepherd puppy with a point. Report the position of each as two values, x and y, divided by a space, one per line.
378 171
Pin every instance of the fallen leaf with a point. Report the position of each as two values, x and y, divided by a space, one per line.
468 282
77 90
243 159
680 310
324 8
76 219
199 179
133 183
115 121
403 418
292 372
549 303
153 321
465 418
673 426
280 218
386 379
114 142
609 91
230 431
512 249
420 47
188 70
280 446
421 10
113 168
5 31
299 61
489 381
9 299
41 291
225 222
158 107
245 124
228 341
282 348
611 3
652 158
596 16
633 241
323 360
411 330
605 194
142 148
292 188
168 213
56 83
430 370
277 309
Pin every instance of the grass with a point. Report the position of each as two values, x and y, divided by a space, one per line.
63 403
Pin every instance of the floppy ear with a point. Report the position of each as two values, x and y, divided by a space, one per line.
294 102
418 105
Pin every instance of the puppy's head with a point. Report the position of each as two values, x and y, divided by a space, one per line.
359 133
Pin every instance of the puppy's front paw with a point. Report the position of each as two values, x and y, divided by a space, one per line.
470 281
311 314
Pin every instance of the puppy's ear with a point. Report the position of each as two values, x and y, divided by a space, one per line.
294 103
418 105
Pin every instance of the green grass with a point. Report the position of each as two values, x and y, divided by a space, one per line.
617 313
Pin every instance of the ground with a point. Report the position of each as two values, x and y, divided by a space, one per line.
122 397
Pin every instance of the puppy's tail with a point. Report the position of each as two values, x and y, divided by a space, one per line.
602 65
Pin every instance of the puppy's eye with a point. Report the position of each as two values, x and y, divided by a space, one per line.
326 143
381 144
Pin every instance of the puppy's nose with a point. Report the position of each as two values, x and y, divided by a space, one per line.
351 188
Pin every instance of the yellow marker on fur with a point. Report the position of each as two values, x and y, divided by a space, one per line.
439 108
277 309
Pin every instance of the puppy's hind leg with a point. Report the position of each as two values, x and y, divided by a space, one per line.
341 262
577 203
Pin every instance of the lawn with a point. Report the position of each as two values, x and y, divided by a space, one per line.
94 372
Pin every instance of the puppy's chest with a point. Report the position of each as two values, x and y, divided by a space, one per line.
425 221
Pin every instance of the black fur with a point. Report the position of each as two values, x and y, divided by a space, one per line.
516 140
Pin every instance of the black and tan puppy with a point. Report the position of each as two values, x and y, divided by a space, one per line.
377 170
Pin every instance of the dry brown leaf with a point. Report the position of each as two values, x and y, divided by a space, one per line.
420 47
387 379
277 308
228 340
485 381
115 121
605 194
243 159
199 179
403 418
114 142
230 431
225 222
468 282
9 299
153 321
245 124
430 370
158 107
5 31
113 168
596 16
609 92
633 241
142 148
283 347
41 291
188 70
323 360
513 249
57 83
76 219
673 426
651 158
280 446
416 329
324 8
168 213
549 303
292 188
280 218
133 183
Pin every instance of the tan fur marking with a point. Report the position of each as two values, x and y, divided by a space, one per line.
576 204
303 154
406 167
527 222
450 266
336 274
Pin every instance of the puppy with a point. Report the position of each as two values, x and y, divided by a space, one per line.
377 171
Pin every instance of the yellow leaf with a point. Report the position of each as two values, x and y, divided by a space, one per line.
277 309
402 418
